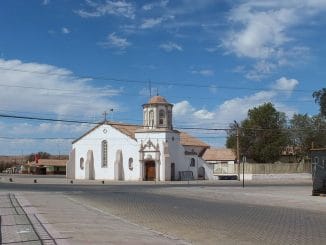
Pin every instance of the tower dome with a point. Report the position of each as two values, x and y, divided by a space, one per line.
158 100
157 113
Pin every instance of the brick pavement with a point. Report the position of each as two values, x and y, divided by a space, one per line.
72 222
216 221
263 212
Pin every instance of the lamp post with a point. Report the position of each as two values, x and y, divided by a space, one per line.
244 159
238 149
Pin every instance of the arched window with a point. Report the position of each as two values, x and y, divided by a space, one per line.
130 163
161 117
145 118
192 162
169 118
81 163
104 154
151 118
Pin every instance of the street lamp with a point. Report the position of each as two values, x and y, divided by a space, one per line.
238 149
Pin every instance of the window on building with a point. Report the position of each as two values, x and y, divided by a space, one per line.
161 117
104 154
192 162
145 119
81 163
151 118
316 160
169 118
131 163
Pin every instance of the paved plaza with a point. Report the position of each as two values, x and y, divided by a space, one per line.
90 212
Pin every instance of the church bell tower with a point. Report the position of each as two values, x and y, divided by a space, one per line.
157 114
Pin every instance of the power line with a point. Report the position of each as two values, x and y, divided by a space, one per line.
122 80
124 124
36 138
47 119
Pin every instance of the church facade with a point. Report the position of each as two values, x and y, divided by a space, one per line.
152 151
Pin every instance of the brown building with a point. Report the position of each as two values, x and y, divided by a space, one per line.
45 166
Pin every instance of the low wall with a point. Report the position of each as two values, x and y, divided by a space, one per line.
262 168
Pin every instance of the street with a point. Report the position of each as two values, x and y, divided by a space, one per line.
208 213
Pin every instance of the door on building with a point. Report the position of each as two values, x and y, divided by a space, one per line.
201 173
172 171
150 170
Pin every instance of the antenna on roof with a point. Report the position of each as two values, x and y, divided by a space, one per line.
105 113
150 89
157 91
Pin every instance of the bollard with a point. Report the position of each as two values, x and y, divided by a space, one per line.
35 180
103 182
71 182
10 180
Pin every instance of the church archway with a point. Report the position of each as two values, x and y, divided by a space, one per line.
150 170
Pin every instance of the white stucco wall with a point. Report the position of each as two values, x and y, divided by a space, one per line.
176 152
116 141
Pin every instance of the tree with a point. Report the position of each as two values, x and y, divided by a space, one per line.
307 131
263 134
320 98
40 155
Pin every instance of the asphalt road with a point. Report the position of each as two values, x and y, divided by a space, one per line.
195 217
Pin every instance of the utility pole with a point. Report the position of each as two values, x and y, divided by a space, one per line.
238 149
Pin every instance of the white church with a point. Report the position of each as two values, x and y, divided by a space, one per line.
153 151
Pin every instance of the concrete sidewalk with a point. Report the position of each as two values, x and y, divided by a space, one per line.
66 221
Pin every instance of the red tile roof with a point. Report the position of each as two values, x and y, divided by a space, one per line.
130 129
50 162
219 154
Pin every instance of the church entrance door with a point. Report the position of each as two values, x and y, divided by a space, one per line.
150 170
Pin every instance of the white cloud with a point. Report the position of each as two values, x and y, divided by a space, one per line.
234 109
65 30
149 23
150 6
262 34
182 109
114 41
42 88
237 108
260 70
261 30
204 72
170 46
152 22
117 8
285 85
204 114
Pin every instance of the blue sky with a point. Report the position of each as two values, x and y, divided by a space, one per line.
213 60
